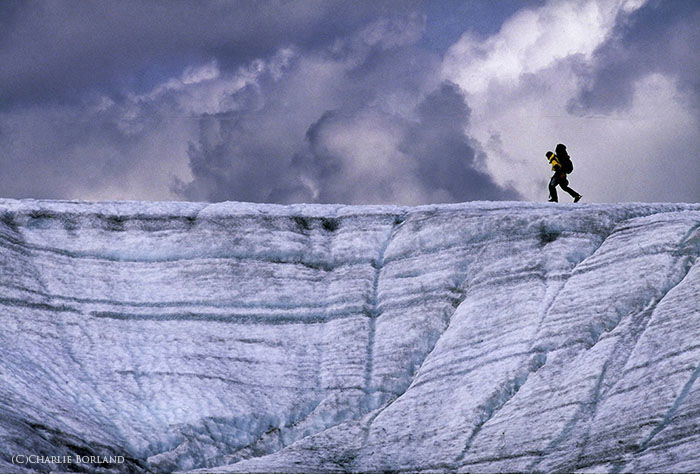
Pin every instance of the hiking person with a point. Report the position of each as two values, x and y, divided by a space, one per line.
561 165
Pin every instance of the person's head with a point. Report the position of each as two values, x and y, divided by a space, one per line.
549 155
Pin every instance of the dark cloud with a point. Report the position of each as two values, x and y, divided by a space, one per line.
95 101
276 101
50 153
265 151
660 37
56 51
359 121
447 159
431 153
358 153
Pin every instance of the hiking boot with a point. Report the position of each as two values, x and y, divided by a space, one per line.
577 198
552 200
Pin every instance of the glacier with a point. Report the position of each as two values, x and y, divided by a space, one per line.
236 337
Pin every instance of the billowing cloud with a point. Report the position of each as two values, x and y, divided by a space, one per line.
657 39
549 76
57 51
450 163
364 121
356 102
372 156
275 102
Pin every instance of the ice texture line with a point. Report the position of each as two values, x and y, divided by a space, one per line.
373 311
674 408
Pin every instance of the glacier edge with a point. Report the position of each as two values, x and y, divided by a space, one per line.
236 337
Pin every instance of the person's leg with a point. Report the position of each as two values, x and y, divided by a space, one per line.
569 190
553 189
564 183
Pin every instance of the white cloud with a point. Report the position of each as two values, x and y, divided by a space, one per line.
519 82
367 146
532 40
205 90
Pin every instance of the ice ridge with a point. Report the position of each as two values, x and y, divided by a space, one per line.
235 337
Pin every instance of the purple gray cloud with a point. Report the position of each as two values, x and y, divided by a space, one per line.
334 101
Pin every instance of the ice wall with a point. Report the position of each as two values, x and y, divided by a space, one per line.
481 337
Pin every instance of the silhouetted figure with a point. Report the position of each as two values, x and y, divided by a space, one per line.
561 165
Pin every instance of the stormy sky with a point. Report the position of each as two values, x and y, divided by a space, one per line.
363 102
